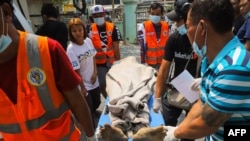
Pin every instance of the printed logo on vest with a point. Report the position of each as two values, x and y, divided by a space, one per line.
36 77
165 33
109 33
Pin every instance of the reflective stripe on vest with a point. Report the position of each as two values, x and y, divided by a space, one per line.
34 61
54 110
101 56
44 94
10 128
155 49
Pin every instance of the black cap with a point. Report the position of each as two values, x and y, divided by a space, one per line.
180 10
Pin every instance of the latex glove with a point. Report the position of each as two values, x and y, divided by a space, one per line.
196 84
157 105
93 138
170 133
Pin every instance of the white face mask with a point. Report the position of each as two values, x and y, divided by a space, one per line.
99 21
5 40
203 51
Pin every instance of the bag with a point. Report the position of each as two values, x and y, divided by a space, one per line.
176 99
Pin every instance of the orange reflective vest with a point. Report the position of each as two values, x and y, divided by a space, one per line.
155 49
41 112
101 55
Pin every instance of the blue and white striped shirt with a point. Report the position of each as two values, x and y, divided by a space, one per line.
225 85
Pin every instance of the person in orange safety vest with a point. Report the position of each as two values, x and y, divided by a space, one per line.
105 37
38 87
152 36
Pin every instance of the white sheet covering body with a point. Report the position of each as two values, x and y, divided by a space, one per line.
129 86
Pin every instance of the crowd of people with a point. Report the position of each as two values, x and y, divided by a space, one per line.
54 78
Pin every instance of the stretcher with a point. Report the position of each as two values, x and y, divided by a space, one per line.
155 119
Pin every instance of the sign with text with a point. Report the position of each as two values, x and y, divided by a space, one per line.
237 132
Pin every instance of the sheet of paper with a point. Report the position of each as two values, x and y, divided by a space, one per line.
183 84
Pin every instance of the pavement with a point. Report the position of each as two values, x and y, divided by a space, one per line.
130 50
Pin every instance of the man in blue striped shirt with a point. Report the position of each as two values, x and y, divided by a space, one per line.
225 71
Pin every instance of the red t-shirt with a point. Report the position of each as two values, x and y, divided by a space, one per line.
66 78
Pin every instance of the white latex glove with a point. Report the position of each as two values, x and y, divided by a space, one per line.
93 138
157 105
196 84
170 133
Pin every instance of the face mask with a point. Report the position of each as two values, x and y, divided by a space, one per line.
5 40
247 15
200 52
155 19
167 19
99 21
182 30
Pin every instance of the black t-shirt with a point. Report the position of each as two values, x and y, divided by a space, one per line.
157 31
179 48
56 30
238 22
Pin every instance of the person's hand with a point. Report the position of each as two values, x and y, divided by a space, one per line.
157 105
93 138
196 84
83 90
170 133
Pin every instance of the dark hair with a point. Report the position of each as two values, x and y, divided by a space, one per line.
76 21
219 13
49 10
8 2
155 6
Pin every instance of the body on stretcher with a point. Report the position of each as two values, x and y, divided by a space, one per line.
155 119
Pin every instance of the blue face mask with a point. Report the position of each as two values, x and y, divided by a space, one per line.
155 19
203 51
99 21
182 30
247 15
5 40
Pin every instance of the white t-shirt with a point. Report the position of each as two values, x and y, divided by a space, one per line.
82 57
